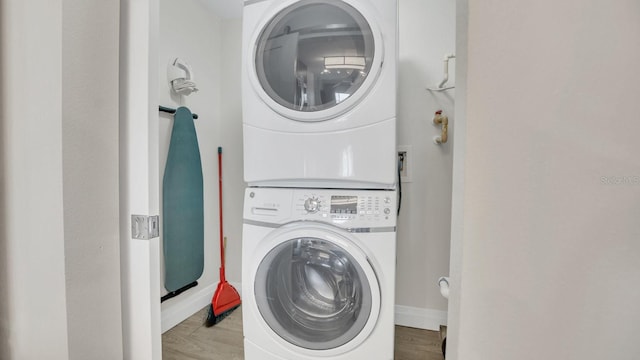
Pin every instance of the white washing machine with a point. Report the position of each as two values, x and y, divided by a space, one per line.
318 274
319 93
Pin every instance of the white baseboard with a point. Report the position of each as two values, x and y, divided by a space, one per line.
188 303
420 318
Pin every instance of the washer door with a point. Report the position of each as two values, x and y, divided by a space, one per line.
318 292
315 58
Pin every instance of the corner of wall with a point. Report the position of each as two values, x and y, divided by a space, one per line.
4 264
458 184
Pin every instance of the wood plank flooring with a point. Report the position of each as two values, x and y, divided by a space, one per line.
191 340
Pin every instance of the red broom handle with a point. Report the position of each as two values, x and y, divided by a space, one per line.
222 275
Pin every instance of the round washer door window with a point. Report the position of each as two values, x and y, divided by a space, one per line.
313 293
315 55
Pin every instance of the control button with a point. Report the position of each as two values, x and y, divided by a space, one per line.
312 205
387 211
387 200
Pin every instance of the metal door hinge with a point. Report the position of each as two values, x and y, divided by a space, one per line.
145 227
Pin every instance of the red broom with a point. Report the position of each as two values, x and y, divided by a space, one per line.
226 298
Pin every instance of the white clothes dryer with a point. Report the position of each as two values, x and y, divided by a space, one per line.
318 274
319 93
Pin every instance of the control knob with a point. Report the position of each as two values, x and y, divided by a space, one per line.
312 205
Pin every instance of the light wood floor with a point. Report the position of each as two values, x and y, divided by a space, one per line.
191 340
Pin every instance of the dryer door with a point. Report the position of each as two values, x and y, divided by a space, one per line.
318 292
314 59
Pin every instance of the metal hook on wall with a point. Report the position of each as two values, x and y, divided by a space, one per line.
441 85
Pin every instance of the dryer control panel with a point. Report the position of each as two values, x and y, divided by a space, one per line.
357 209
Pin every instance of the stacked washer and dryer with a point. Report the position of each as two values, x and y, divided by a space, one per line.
319 228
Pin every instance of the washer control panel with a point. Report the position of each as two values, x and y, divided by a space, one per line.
346 208
350 209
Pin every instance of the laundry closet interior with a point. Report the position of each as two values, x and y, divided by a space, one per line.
544 199
334 161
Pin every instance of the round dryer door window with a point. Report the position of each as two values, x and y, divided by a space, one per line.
313 293
314 56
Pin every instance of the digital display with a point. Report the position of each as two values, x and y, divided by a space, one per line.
344 204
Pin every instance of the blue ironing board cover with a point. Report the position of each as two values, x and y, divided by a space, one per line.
182 205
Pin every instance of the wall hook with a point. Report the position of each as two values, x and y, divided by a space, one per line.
180 76
441 85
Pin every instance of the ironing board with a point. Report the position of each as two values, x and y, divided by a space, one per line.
182 205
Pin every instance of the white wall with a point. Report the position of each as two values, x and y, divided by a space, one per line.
60 182
548 257
90 45
457 186
33 316
426 34
231 130
191 31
